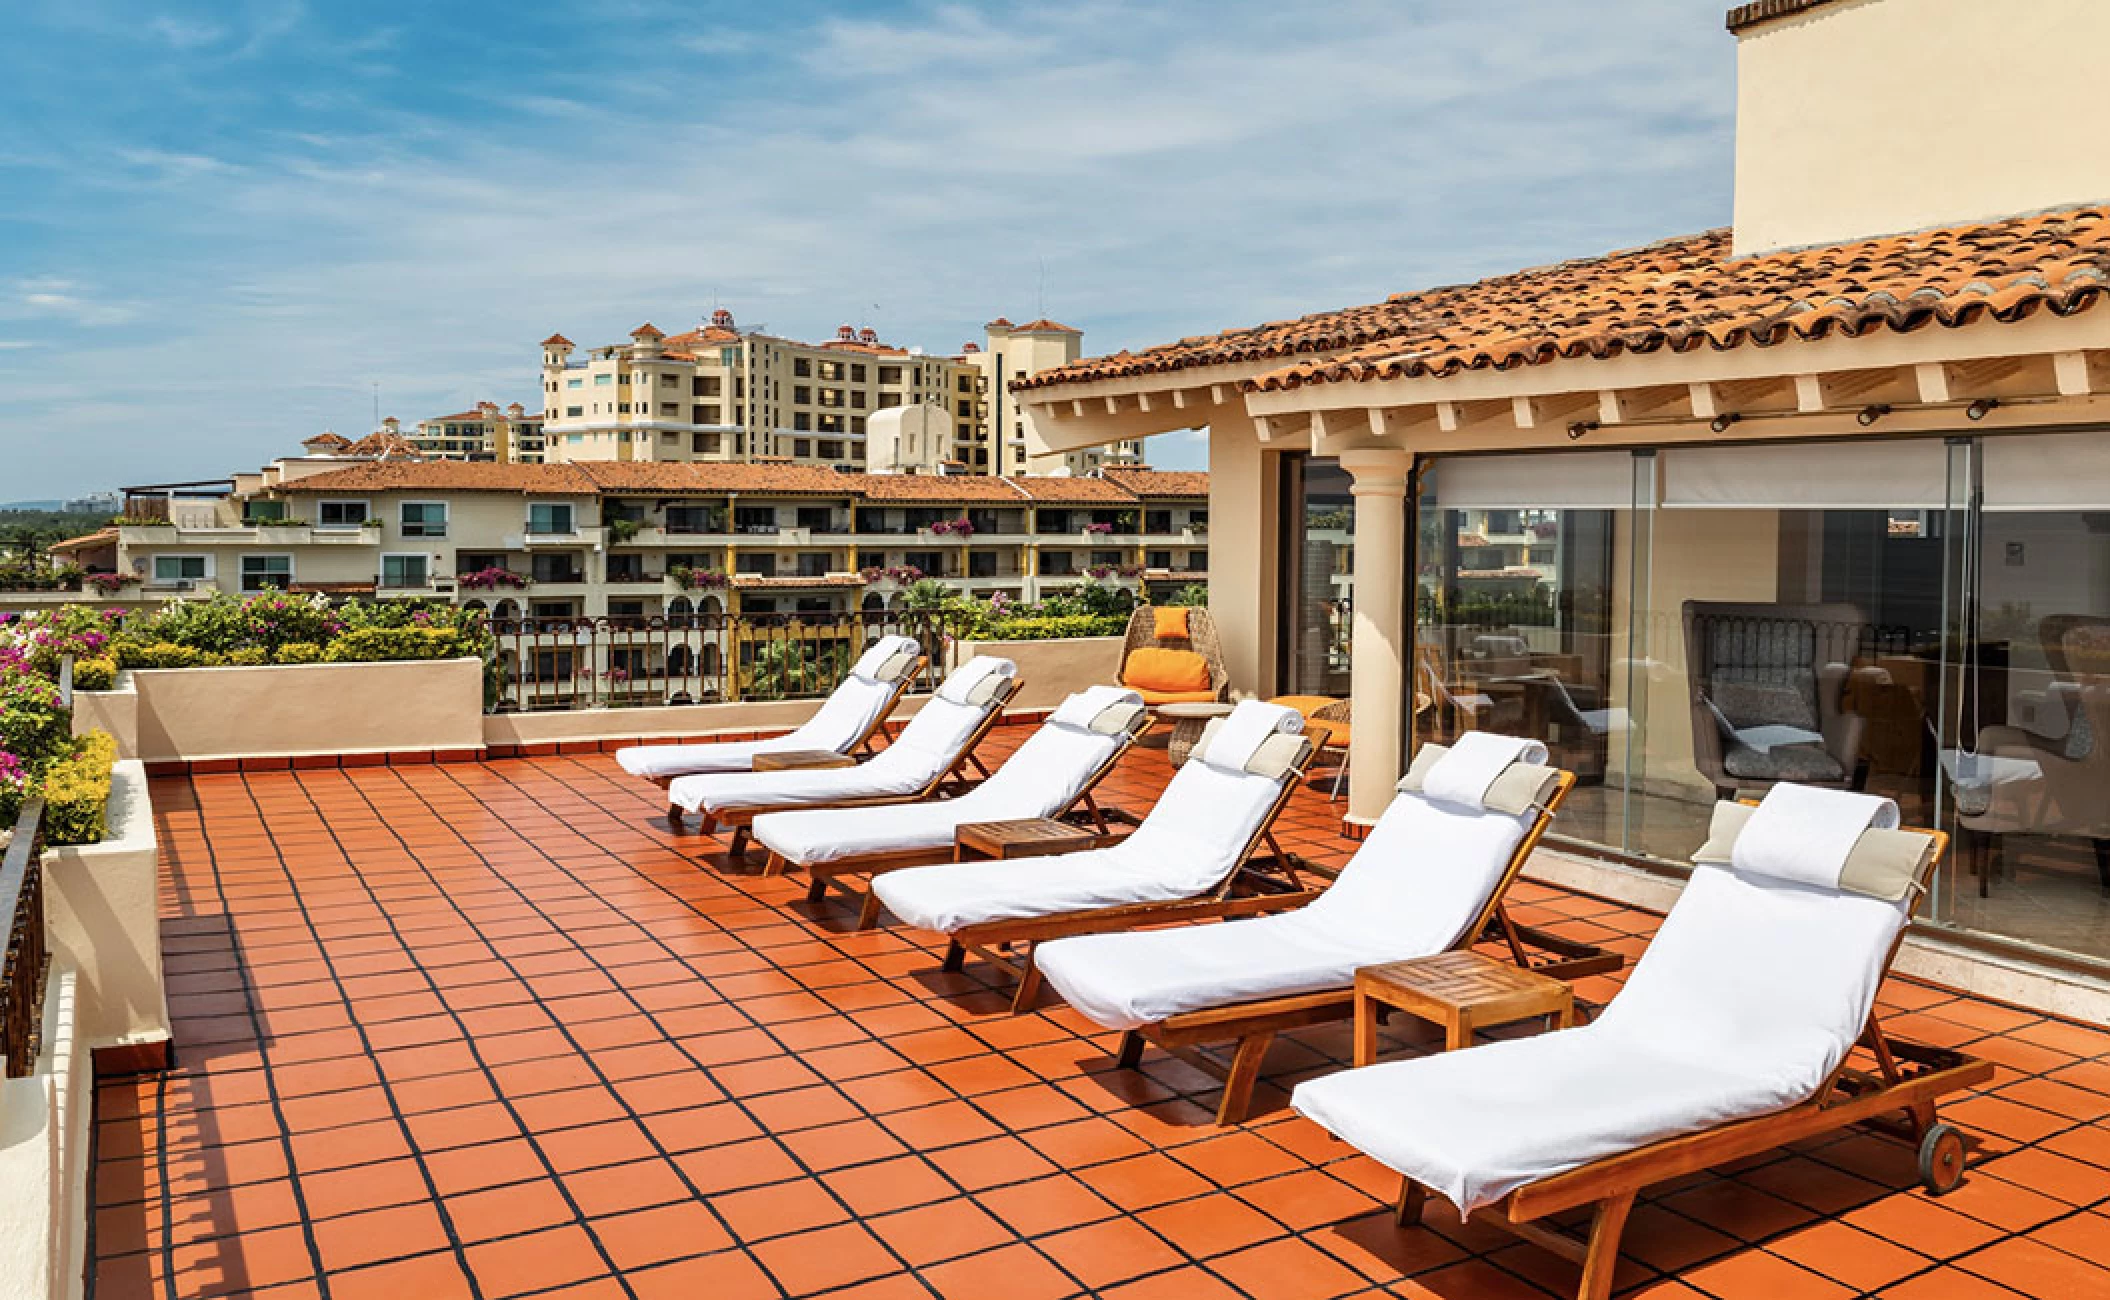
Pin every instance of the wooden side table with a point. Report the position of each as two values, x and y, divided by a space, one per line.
788 760
1035 837
1462 991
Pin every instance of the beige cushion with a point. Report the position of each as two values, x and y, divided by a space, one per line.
1278 755
898 666
1884 864
988 688
1117 718
1522 787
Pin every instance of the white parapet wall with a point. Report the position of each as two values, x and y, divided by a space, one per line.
115 711
101 913
194 714
1053 670
660 721
44 1144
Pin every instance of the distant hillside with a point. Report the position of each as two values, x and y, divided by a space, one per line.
32 505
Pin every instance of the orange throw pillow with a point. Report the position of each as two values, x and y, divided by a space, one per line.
1152 669
1171 624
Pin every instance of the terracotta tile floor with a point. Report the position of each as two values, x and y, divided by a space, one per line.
491 1031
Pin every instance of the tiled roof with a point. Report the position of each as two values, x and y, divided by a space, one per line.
937 487
706 336
1046 326
85 540
1679 294
647 331
1080 491
385 445
469 415
557 340
682 477
446 476
326 439
1759 11
1160 482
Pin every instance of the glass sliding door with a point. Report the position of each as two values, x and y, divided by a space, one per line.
1517 629
1318 576
2026 749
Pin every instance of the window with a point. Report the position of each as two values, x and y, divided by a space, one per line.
552 665
857 373
890 374
264 572
871 559
1157 521
668 381
802 421
181 568
340 514
966 409
1106 557
1057 564
802 447
755 519
555 568
763 564
981 564
263 512
405 571
478 561
574 383
801 367
549 518
829 450
670 408
574 412
555 609
602 381
705 414
424 518
802 394
1157 559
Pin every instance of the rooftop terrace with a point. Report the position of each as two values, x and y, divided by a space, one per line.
492 1030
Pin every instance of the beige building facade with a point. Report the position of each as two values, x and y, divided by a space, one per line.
639 540
722 394
486 432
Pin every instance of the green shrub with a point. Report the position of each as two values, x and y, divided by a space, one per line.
248 656
370 644
99 674
77 791
298 652
1055 627
132 653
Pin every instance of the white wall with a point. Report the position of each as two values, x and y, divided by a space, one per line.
1877 116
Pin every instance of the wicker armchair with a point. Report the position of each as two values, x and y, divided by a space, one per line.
1201 639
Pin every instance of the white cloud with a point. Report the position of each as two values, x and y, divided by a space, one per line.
186 33
1176 168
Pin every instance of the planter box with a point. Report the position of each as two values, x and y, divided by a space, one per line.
193 714
1053 669
104 924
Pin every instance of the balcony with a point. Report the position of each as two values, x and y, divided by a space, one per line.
441 1052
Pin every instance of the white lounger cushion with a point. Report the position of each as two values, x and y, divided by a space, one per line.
1042 778
1419 879
1190 841
1752 992
926 746
844 716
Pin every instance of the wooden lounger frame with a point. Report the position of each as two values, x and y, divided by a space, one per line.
1896 1098
1254 1024
862 743
741 820
988 938
826 876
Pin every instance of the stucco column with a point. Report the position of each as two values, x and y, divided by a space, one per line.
1244 548
1379 647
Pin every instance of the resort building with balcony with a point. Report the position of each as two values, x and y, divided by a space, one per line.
725 394
486 432
642 540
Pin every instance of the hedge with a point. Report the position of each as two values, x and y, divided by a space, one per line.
1059 627
77 791
369 644
98 674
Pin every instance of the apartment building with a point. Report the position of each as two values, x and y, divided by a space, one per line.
723 394
486 432
641 539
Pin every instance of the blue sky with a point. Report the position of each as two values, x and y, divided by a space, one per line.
222 224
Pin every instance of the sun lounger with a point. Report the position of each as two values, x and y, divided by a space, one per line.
845 722
1430 877
1732 1037
930 749
1180 863
1055 770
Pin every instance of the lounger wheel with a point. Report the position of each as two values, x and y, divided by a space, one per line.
1941 1159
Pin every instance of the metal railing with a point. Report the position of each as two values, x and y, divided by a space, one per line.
28 957
704 658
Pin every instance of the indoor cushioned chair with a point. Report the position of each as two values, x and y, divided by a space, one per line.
1768 693
1171 655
